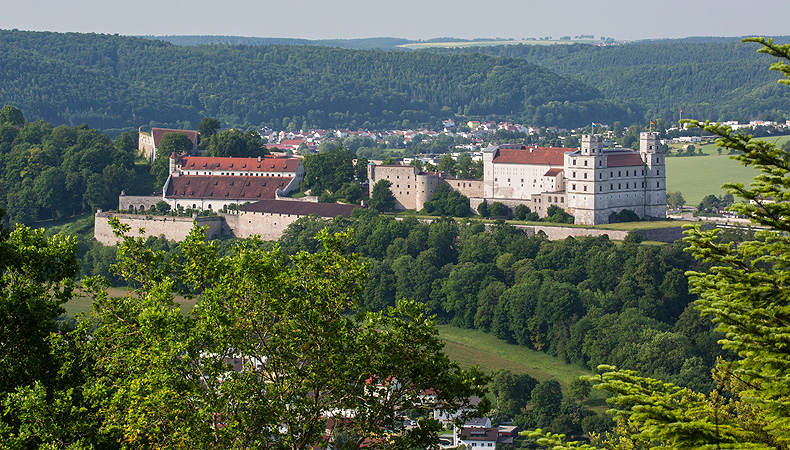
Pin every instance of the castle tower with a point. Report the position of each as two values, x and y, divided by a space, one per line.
174 160
655 178
584 172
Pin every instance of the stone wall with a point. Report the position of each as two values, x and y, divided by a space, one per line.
269 226
556 233
137 201
172 228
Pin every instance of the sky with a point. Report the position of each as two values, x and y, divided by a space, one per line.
410 19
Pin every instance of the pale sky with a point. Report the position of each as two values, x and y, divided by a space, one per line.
410 19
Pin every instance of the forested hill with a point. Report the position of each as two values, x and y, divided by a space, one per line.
111 81
714 80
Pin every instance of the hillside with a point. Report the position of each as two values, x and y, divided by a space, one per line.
117 82
708 80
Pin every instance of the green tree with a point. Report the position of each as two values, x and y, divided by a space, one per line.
498 209
282 323
675 199
447 202
482 209
208 127
236 143
12 116
381 198
173 142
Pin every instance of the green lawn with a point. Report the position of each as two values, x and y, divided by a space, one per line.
472 347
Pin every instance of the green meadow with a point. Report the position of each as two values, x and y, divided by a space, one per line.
697 176
473 347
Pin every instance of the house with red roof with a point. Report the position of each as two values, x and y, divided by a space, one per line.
203 182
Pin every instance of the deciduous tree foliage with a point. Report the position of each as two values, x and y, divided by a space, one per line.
166 379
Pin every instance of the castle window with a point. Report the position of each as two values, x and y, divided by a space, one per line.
585 175
600 175
585 162
548 200
626 173
611 187
658 171
574 162
585 188
619 173
562 199
643 171
611 174
600 188
626 185
600 163
574 174
658 184
574 187
619 186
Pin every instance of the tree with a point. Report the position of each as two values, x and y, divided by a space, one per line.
745 291
675 199
267 353
381 198
173 142
208 127
498 209
236 143
447 202
12 116
482 209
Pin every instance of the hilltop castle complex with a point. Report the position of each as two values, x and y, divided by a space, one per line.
590 183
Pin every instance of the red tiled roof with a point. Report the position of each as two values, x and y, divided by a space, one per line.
552 172
624 159
532 155
157 134
266 164
225 187
294 142
300 208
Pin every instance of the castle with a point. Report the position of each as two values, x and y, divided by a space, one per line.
591 182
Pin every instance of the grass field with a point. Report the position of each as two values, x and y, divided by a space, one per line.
472 347
697 176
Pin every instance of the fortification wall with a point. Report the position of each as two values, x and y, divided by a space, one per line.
269 226
556 233
171 228
468 188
